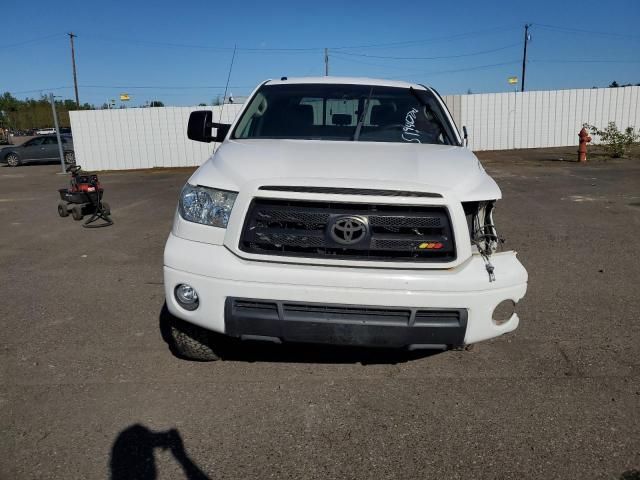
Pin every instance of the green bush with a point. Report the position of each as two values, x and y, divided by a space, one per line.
616 142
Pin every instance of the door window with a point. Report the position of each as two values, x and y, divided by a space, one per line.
34 142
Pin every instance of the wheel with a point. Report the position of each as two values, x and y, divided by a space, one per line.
191 341
62 209
106 208
76 212
69 158
12 160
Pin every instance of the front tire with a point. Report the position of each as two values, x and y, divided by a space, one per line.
192 342
76 212
12 160
62 209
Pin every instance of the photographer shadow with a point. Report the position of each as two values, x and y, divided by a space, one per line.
132 454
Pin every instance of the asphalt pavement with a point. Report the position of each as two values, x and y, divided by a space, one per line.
91 390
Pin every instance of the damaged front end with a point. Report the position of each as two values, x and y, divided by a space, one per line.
482 231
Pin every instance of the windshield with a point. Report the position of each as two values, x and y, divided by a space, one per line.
345 112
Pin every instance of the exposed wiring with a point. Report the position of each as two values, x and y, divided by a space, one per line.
485 237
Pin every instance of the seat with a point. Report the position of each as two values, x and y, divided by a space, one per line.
382 115
282 120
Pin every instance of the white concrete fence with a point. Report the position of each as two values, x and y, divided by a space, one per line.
503 121
157 137
133 138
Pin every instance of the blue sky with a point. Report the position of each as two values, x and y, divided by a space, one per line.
182 50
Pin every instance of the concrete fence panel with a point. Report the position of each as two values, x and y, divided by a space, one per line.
157 137
135 138
538 119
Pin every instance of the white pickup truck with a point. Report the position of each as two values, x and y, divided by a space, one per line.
46 131
342 211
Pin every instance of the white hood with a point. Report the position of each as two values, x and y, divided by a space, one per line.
394 166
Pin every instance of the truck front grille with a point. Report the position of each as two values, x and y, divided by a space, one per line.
313 229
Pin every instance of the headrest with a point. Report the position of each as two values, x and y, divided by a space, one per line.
382 115
303 114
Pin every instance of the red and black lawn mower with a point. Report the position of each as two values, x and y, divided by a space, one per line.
84 197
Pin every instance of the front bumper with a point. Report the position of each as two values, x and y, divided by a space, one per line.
363 325
217 275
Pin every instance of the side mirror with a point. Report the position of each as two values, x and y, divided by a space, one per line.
465 136
201 124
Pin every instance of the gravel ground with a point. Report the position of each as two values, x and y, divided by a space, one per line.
91 390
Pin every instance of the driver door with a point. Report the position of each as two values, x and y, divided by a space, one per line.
32 149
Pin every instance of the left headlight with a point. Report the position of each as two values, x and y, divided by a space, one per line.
208 206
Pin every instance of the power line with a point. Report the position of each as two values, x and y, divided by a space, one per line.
434 72
466 69
353 60
581 31
216 88
167 87
471 54
406 43
587 60
193 46
33 40
47 89
301 49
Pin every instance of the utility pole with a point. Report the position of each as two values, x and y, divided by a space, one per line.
326 62
524 56
55 122
73 63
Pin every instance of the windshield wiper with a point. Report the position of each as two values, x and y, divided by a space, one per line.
356 134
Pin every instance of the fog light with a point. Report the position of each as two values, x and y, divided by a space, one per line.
503 312
186 296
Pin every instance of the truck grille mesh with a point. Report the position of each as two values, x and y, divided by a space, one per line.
304 229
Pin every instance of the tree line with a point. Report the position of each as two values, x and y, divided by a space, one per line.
31 113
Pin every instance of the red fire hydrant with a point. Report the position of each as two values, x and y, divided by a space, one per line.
582 148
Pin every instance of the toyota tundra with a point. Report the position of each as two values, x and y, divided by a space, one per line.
340 211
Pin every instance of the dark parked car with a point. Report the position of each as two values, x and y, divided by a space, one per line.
40 149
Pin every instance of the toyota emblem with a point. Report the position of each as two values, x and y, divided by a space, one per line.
349 230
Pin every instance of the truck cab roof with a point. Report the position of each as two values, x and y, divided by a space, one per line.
344 81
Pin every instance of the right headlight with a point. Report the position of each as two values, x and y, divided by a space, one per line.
208 206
